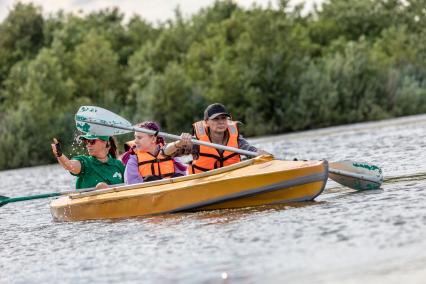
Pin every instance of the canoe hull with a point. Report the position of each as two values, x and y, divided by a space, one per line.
261 182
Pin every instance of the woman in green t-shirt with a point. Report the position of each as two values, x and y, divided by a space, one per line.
99 169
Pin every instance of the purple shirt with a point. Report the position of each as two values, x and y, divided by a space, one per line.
132 175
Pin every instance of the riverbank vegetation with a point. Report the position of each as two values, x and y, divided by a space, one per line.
277 70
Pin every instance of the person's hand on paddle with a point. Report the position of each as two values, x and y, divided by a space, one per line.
56 148
185 141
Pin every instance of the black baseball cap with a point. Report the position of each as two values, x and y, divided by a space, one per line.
215 110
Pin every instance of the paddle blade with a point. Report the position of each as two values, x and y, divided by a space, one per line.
87 116
3 200
356 175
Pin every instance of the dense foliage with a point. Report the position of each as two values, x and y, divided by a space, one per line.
277 70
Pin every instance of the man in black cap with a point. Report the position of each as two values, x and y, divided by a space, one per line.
218 128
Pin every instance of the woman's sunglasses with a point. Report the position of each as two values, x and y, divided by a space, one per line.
91 141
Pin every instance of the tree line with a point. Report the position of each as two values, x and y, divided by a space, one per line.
276 69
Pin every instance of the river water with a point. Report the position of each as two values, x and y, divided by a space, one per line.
343 237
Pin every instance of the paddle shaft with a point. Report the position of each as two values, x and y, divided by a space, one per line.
175 137
5 200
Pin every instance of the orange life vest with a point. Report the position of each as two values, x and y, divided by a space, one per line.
210 158
160 166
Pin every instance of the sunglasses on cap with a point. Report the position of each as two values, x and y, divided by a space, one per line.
89 141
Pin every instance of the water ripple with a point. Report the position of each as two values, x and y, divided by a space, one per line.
342 237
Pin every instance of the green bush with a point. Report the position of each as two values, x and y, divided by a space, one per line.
277 70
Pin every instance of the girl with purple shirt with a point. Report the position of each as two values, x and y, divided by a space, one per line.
146 161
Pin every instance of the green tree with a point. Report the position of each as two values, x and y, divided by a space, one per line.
171 100
44 111
21 36
96 72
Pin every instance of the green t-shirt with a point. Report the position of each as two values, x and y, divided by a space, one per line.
94 171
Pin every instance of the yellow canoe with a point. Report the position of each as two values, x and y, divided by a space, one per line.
259 181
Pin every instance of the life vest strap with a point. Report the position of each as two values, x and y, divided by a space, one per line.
219 158
161 176
153 169
198 168
230 156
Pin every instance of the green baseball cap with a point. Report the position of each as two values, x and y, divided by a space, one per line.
89 136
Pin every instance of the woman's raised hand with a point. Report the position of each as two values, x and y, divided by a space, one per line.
56 148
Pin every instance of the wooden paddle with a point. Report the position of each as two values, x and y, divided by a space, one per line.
99 121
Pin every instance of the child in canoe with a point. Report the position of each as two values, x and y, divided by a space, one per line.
146 161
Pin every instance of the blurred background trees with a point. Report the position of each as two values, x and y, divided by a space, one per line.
277 70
